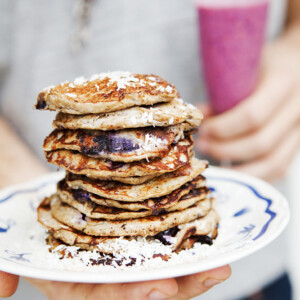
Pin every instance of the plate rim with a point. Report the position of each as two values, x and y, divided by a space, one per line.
149 274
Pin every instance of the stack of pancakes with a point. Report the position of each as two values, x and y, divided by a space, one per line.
125 141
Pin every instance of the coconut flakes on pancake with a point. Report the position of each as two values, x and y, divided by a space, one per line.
158 115
125 145
204 227
156 187
106 92
147 226
155 205
81 201
78 163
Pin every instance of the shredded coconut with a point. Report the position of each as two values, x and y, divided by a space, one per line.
70 94
182 158
147 117
151 78
133 120
152 83
169 89
150 117
161 88
151 142
79 80
122 79
146 253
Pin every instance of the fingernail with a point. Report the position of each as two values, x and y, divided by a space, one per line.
157 295
210 282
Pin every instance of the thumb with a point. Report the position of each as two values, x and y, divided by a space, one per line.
8 284
194 285
152 290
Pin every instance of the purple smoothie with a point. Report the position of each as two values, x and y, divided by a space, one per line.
231 39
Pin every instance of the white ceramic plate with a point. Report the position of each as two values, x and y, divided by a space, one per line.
252 215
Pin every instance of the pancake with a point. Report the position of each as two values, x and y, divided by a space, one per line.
189 233
124 145
130 180
156 187
65 233
158 115
147 226
78 163
155 205
110 245
106 92
96 211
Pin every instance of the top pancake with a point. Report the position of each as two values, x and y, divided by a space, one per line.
106 92
158 115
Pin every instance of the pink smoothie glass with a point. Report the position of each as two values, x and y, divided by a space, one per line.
232 33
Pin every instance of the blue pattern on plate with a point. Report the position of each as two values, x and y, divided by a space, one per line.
26 191
268 211
6 225
18 256
247 229
241 212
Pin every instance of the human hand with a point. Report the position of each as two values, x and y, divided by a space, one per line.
262 133
173 288
8 284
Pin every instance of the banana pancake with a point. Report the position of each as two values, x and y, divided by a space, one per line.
96 211
157 187
158 115
65 233
155 205
106 92
147 226
176 236
124 145
197 231
78 163
130 180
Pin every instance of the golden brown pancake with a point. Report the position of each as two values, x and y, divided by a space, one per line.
155 205
80 201
78 163
124 145
147 226
157 115
106 92
157 187
182 237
